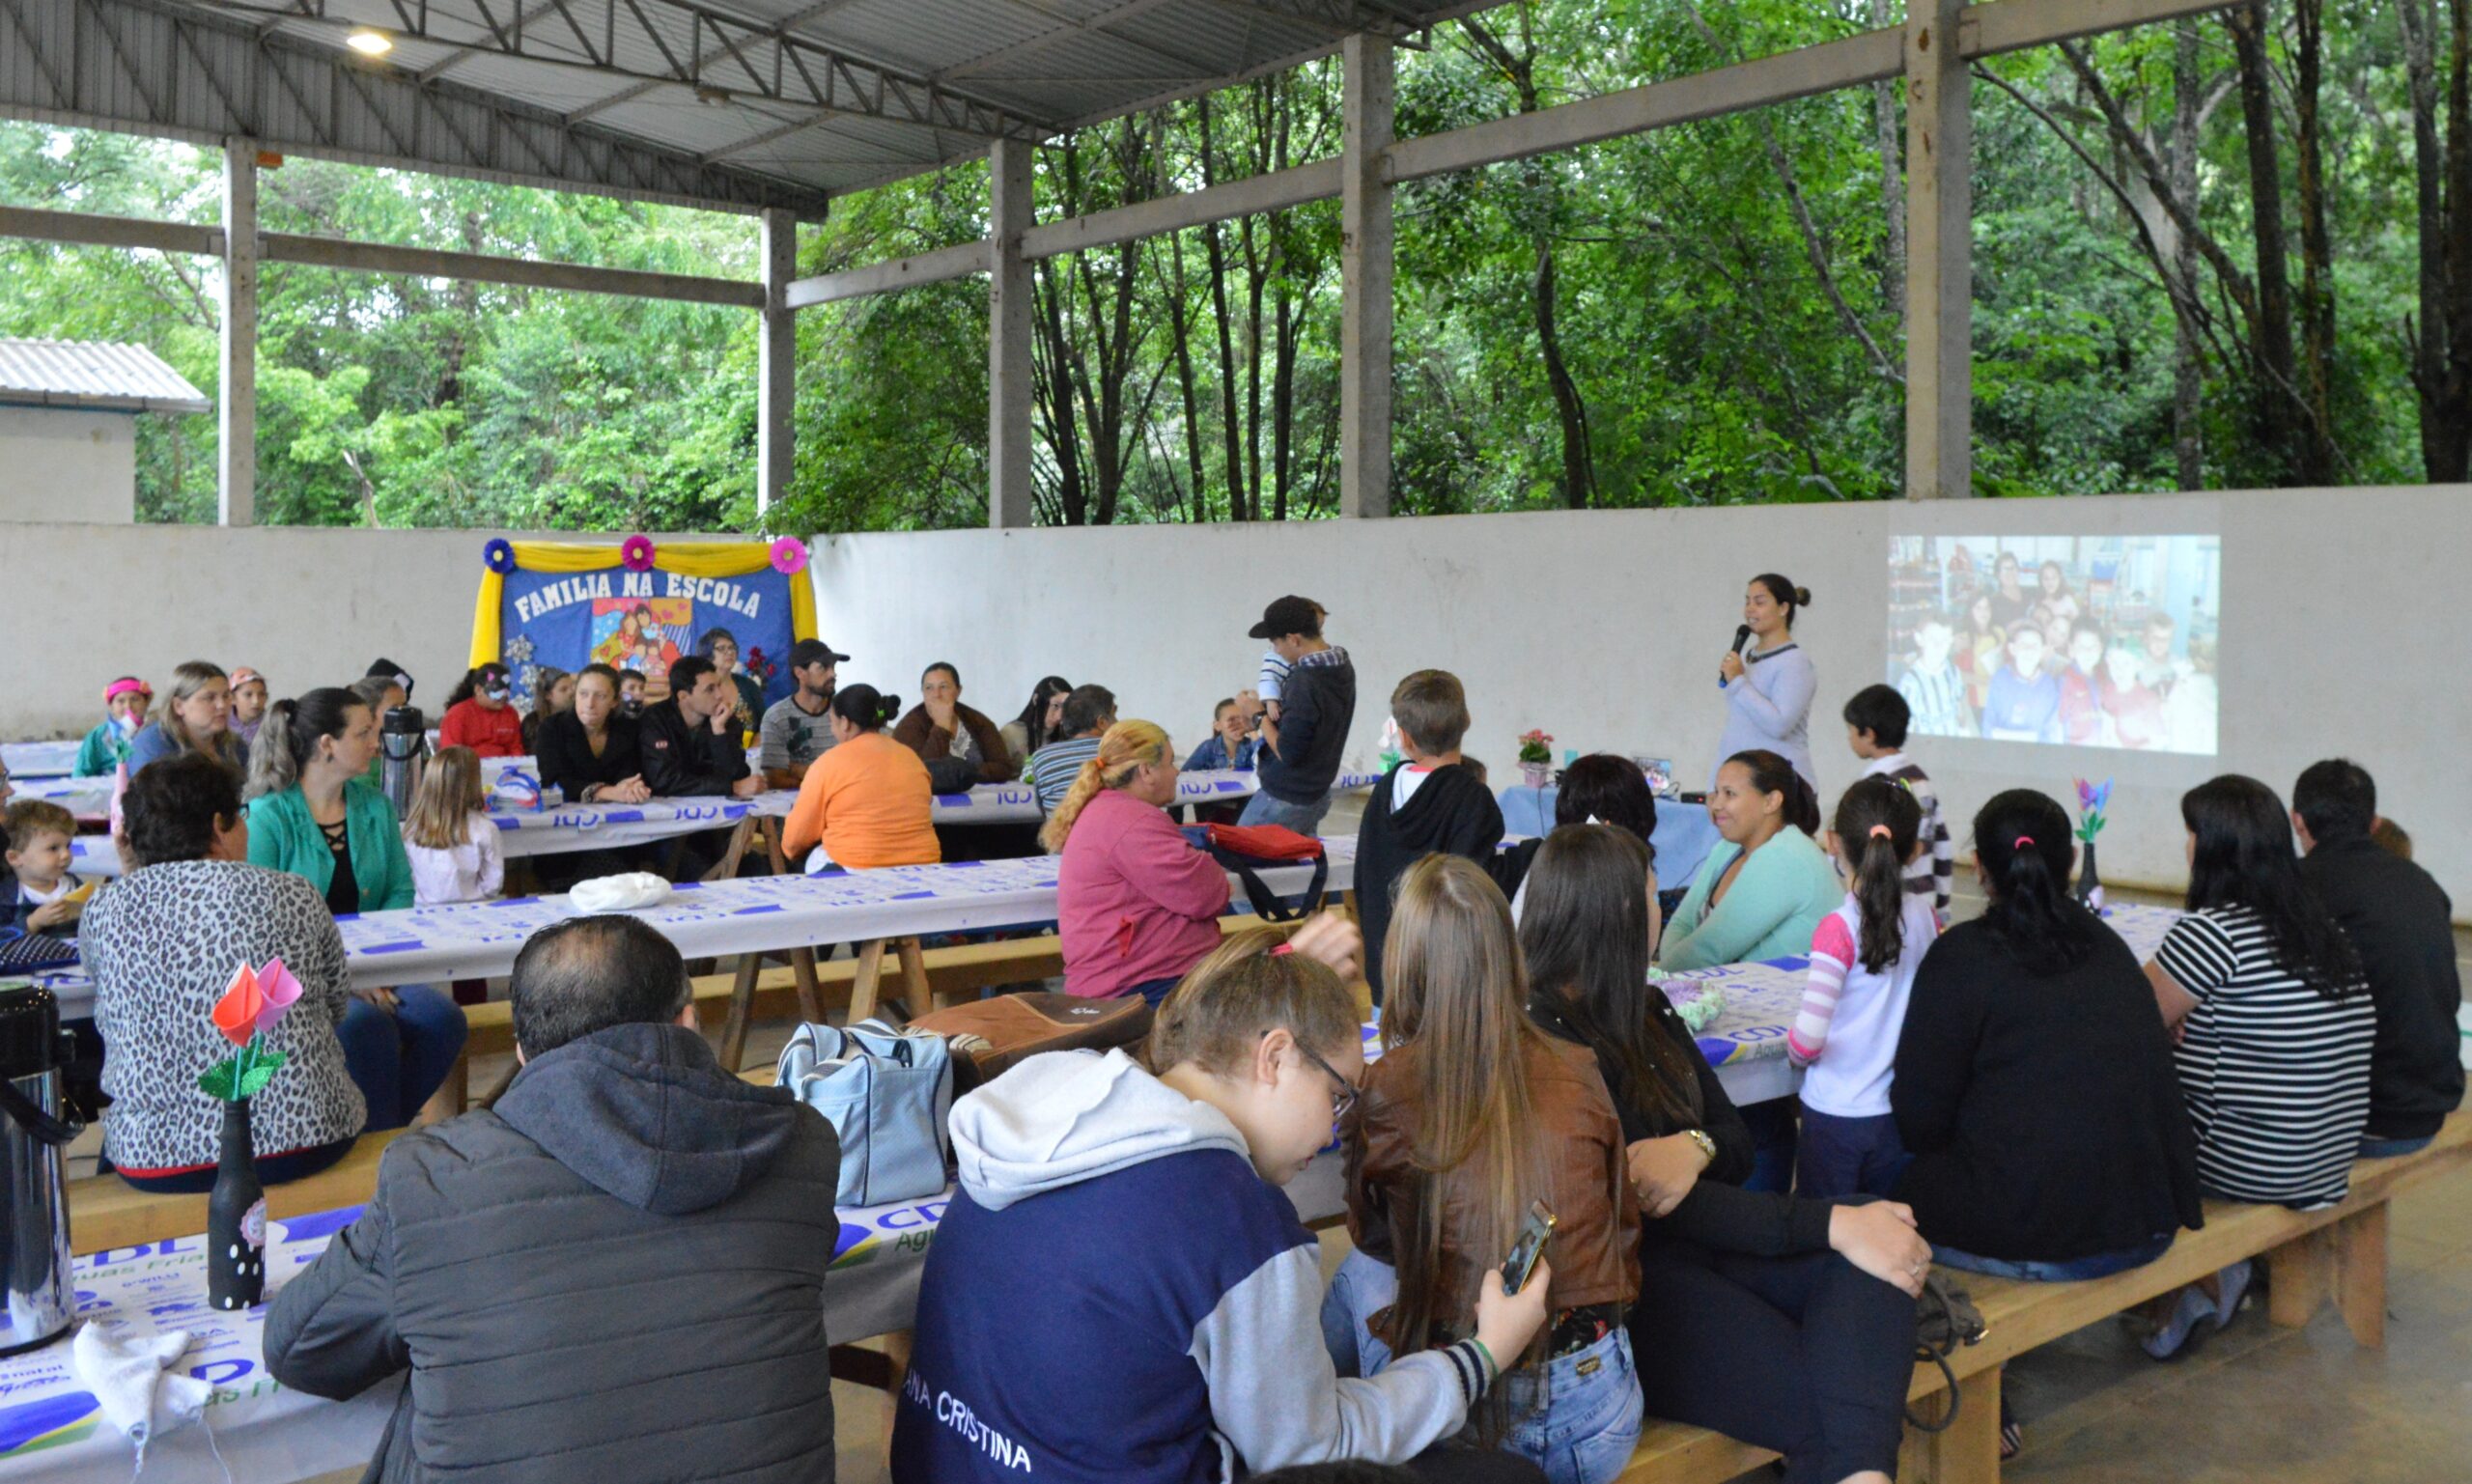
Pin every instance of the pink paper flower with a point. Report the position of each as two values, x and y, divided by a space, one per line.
636 552
789 557
280 989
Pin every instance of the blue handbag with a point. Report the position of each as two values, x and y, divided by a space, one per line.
890 1096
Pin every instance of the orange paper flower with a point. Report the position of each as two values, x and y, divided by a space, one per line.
237 1013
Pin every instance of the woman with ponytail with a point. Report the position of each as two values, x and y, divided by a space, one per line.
1762 893
1137 905
312 815
2034 1082
1863 956
866 801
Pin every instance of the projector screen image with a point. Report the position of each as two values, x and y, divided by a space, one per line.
2094 641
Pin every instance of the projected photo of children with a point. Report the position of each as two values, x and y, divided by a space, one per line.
2092 641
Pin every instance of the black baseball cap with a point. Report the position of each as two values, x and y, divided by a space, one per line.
808 652
1288 615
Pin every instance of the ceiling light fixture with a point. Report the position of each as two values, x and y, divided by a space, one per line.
370 43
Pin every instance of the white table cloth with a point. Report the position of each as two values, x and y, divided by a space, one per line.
38 758
754 913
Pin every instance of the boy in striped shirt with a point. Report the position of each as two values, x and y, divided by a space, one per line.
1876 719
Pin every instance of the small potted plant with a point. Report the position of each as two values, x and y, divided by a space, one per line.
2091 801
1536 757
236 1213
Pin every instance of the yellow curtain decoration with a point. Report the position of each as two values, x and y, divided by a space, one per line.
686 558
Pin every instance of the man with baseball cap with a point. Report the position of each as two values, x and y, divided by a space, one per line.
1299 757
798 728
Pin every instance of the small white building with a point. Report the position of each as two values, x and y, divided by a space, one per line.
68 426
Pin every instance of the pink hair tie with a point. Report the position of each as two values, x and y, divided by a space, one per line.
2022 842
1283 948
1882 832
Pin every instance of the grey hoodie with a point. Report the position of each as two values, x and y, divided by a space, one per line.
615 1274
1150 1225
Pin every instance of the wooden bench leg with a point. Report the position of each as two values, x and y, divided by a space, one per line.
2299 1277
741 1007
1969 1451
802 970
2360 1274
911 956
863 986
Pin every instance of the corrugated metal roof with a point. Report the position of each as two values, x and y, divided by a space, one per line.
94 375
814 95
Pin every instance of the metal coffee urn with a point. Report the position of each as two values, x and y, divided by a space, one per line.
403 738
34 1244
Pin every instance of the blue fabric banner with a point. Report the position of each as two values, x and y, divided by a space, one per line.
643 621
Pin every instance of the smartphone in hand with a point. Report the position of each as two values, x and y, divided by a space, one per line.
1530 1247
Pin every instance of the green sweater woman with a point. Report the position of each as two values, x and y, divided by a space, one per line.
312 816
1762 894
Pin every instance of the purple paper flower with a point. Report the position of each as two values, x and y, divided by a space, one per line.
789 557
636 552
498 555
280 989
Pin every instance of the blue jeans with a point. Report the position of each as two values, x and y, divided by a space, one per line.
2389 1148
399 1060
1154 991
1587 1409
1772 1134
1304 819
2101 1265
1840 1156
1587 1413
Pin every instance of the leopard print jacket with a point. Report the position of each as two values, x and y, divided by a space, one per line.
161 944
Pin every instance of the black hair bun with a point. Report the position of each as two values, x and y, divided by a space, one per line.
1802 598
887 711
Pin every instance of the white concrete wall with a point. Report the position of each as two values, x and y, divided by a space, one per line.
60 465
1604 628
305 606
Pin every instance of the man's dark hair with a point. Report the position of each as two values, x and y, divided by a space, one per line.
1087 709
1881 712
587 974
172 808
2336 799
686 671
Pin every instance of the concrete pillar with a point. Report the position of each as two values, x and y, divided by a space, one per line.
776 376
1939 276
1008 338
1366 242
236 393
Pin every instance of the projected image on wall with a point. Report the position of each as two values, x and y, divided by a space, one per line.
2094 641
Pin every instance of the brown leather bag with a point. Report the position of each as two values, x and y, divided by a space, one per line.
991 1035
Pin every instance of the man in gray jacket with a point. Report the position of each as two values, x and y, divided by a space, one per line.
616 1273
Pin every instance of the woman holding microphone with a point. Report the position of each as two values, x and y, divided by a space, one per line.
1768 680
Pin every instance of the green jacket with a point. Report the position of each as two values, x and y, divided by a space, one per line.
283 837
101 753
1771 911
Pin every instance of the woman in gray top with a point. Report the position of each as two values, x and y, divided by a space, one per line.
162 944
1768 689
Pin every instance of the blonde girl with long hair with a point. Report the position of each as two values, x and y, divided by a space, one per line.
1472 1117
454 847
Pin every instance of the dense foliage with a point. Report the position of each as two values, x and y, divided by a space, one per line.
2226 253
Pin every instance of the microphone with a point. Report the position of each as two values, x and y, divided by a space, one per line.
1742 639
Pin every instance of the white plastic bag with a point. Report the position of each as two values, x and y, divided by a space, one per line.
632 891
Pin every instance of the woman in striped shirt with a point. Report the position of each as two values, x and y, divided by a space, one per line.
2275 1025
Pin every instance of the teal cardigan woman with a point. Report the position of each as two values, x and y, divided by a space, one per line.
312 816
1762 894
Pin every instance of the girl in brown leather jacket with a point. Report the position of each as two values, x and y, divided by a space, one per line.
1470 1114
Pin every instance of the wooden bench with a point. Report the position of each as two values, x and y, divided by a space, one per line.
106 1212
2310 1257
